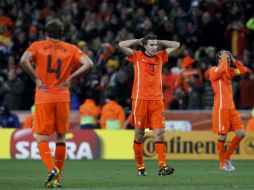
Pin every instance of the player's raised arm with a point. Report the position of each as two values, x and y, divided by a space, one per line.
125 46
217 72
240 68
169 45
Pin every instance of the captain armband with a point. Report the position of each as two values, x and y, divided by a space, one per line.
237 72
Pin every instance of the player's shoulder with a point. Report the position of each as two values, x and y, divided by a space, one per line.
137 54
70 46
161 52
38 43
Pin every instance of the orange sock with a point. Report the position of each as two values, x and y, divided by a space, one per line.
45 154
138 151
220 151
60 157
160 149
234 143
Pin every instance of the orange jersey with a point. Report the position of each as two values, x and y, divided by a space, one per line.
54 62
221 80
148 75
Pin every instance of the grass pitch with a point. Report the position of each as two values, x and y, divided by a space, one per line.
121 175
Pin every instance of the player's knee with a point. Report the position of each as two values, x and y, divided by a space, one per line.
222 137
60 138
40 138
159 135
139 137
240 134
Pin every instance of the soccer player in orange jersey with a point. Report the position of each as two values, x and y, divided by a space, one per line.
147 100
54 61
225 118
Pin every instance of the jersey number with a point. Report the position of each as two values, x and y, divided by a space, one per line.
57 70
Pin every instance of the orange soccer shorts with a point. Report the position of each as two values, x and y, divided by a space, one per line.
51 117
226 120
147 114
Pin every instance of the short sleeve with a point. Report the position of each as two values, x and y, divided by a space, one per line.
33 49
132 58
77 55
163 55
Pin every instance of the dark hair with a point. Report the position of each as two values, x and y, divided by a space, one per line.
148 37
54 29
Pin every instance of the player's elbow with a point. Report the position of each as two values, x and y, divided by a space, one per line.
22 62
120 44
85 60
176 45
91 64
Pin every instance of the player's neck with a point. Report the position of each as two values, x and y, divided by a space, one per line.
52 39
147 54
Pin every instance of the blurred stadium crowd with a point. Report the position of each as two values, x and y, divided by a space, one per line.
96 26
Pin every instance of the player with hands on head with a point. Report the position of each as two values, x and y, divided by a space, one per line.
147 98
225 118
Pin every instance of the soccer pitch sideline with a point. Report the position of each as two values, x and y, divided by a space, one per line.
121 174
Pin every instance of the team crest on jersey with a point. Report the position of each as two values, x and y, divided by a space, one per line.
152 67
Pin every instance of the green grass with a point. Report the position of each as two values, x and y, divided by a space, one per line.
121 175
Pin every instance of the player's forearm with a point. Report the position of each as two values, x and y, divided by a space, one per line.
87 65
168 44
240 68
223 65
219 71
129 43
81 71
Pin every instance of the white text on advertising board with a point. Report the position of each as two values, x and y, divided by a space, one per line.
26 149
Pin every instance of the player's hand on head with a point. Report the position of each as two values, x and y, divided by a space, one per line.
224 54
232 57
